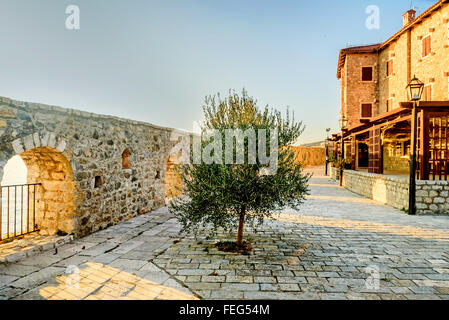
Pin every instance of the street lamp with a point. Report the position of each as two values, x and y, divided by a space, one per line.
326 146
415 89
343 124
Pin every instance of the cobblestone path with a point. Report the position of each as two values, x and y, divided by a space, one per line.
338 246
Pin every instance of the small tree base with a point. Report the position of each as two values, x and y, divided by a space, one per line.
229 246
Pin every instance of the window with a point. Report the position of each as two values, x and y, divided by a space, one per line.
126 159
367 73
426 46
427 93
406 148
367 110
389 68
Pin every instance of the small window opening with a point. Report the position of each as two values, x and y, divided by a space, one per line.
98 181
367 110
367 74
126 159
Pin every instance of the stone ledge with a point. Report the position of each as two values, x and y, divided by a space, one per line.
29 246
432 197
377 175
79 113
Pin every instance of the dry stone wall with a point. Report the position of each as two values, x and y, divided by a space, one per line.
104 192
310 156
432 197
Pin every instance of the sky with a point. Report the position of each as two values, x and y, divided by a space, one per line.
156 60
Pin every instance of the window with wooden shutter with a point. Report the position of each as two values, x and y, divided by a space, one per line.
367 110
367 74
426 46
427 93
389 68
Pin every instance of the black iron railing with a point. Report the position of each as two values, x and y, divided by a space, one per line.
17 210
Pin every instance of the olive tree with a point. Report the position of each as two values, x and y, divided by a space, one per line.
225 194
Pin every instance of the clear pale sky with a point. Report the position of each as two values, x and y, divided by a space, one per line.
155 61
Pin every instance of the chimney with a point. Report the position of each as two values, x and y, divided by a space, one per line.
408 17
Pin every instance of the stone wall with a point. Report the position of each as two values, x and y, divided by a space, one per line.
334 173
356 92
432 197
392 87
432 69
77 156
172 179
55 203
390 190
310 156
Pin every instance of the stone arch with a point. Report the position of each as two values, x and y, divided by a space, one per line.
172 179
55 204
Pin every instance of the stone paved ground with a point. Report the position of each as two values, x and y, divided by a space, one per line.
30 245
321 252
112 264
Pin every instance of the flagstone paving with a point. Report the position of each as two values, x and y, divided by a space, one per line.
330 249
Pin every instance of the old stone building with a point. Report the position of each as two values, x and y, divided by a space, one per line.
374 77
85 171
375 101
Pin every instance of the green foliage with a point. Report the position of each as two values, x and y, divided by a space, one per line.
225 195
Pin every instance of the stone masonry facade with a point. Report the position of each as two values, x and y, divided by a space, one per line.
419 49
404 52
87 185
355 91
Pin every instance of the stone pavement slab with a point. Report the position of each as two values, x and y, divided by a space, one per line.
98 267
333 248
30 245
338 246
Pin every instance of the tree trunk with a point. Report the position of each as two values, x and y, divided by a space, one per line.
240 231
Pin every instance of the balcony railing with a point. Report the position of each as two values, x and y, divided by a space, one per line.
17 210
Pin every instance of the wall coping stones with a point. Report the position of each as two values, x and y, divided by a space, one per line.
397 178
377 175
432 196
79 113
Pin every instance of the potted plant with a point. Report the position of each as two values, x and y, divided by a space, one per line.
348 164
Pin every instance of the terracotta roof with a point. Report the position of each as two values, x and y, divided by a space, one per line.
421 17
375 47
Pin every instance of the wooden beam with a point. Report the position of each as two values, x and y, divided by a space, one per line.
423 148
426 104
400 119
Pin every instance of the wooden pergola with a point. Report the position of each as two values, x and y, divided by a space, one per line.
432 139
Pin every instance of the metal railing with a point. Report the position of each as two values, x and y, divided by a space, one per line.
18 212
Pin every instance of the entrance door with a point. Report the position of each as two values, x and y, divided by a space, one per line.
363 155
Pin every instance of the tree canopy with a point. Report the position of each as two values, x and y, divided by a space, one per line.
226 195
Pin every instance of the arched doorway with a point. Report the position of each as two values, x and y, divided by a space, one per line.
172 180
42 188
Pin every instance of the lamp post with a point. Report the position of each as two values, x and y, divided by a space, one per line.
415 90
326 146
343 123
